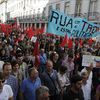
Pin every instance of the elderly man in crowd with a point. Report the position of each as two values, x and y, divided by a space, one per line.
42 93
29 85
50 79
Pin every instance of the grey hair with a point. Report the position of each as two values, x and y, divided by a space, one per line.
41 91
84 73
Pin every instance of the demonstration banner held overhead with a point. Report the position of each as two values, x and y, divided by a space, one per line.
60 24
85 29
90 59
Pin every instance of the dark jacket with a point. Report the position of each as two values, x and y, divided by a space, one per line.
70 95
50 82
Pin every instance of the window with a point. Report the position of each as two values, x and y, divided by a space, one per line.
78 8
30 1
49 10
34 11
93 7
67 8
30 12
39 10
19 5
22 3
57 6
43 13
34 1
38 14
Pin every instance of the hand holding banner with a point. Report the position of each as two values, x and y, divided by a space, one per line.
88 59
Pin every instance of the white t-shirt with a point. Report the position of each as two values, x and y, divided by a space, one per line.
87 90
6 93
63 79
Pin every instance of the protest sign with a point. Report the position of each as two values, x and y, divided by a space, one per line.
60 24
33 39
85 29
88 59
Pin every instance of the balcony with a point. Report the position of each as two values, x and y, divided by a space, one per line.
77 15
33 19
93 16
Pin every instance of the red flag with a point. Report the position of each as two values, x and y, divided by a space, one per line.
21 38
36 54
36 31
64 42
6 28
42 30
30 32
81 42
36 49
70 43
90 41
48 34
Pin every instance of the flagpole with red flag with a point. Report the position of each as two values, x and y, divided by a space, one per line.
64 42
36 54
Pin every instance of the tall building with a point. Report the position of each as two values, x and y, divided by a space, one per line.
35 12
3 10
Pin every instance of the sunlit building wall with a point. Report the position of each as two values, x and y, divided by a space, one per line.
35 12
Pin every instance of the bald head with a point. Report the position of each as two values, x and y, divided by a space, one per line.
49 65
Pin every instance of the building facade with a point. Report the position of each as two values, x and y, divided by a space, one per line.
34 13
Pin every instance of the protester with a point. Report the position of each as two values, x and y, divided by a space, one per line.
6 92
86 86
68 62
74 92
3 56
17 73
63 77
98 93
54 58
89 71
29 85
43 59
42 93
27 59
50 79
22 65
17 46
10 79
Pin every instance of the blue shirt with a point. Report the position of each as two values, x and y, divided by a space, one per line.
43 58
29 87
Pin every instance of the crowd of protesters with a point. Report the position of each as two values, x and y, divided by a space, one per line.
44 70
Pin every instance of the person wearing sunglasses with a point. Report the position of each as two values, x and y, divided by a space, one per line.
5 90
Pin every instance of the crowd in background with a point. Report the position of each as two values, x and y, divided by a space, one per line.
44 70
